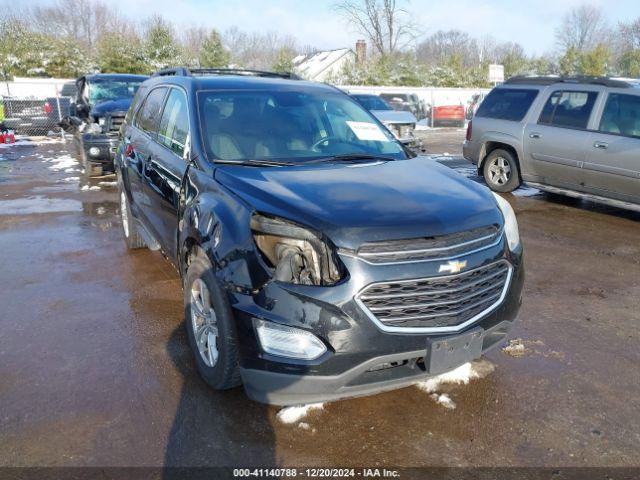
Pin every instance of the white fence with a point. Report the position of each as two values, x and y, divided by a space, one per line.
23 87
434 96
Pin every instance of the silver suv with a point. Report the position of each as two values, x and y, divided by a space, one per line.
575 136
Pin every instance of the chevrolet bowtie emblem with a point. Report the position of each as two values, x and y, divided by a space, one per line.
453 266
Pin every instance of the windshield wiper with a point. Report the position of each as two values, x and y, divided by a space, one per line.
351 157
255 163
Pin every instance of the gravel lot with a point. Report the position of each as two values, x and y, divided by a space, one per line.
95 369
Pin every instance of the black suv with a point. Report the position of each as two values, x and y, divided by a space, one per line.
101 103
319 259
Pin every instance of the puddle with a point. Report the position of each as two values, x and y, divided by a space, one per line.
39 204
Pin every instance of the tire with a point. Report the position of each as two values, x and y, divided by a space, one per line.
129 226
500 171
220 370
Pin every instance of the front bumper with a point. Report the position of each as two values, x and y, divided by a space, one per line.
362 359
106 145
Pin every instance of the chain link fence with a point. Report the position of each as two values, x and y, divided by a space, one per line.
34 116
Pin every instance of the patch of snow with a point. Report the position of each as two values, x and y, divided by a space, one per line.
458 376
93 188
298 412
444 400
304 426
108 184
101 211
524 191
71 179
63 162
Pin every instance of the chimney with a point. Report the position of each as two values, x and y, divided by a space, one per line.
361 52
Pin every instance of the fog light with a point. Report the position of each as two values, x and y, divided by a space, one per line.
94 151
288 342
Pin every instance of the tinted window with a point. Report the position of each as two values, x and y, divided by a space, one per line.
289 125
507 104
174 125
621 115
149 115
570 109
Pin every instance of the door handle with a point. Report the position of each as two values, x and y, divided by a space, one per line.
602 145
534 135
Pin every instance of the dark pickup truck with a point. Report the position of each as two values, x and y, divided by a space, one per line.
101 102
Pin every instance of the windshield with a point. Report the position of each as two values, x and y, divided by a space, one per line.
101 90
289 125
372 102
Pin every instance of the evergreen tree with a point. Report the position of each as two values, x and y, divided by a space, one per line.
160 47
121 54
212 53
595 62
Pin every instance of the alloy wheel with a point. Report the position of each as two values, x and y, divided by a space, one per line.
204 322
499 171
124 214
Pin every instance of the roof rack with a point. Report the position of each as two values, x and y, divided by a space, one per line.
550 80
191 72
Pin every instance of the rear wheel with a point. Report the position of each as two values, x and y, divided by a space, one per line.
129 227
210 326
501 171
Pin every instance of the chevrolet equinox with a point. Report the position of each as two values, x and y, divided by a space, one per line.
320 259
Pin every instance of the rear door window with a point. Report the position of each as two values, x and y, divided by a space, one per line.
568 109
621 115
174 125
507 103
148 117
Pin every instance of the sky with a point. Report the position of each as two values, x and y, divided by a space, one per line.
531 23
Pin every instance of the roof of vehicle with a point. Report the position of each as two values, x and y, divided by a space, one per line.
585 80
215 78
116 77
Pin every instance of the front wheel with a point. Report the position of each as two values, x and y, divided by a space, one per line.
501 171
210 326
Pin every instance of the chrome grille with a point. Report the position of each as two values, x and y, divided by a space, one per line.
447 303
430 248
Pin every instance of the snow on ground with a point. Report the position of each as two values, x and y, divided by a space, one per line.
459 376
63 162
296 413
93 188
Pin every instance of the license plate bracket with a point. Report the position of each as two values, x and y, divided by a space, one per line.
447 353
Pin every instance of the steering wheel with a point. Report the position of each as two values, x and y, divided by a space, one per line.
323 140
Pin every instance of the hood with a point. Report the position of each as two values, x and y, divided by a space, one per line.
100 109
356 203
394 116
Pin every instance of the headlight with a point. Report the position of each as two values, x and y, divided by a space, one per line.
296 254
289 342
510 222
101 121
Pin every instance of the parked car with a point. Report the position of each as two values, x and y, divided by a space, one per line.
34 116
575 136
319 259
448 115
101 103
408 102
400 123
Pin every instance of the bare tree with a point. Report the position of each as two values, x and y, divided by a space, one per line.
387 26
582 28
258 50
630 34
442 45
84 21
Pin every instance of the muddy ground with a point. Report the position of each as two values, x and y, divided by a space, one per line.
95 368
